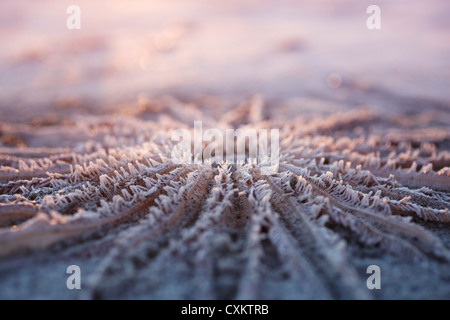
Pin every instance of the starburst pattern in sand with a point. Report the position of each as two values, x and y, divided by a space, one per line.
354 179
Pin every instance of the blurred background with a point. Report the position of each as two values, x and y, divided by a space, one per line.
311 56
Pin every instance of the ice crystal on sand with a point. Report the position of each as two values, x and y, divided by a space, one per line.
351 188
